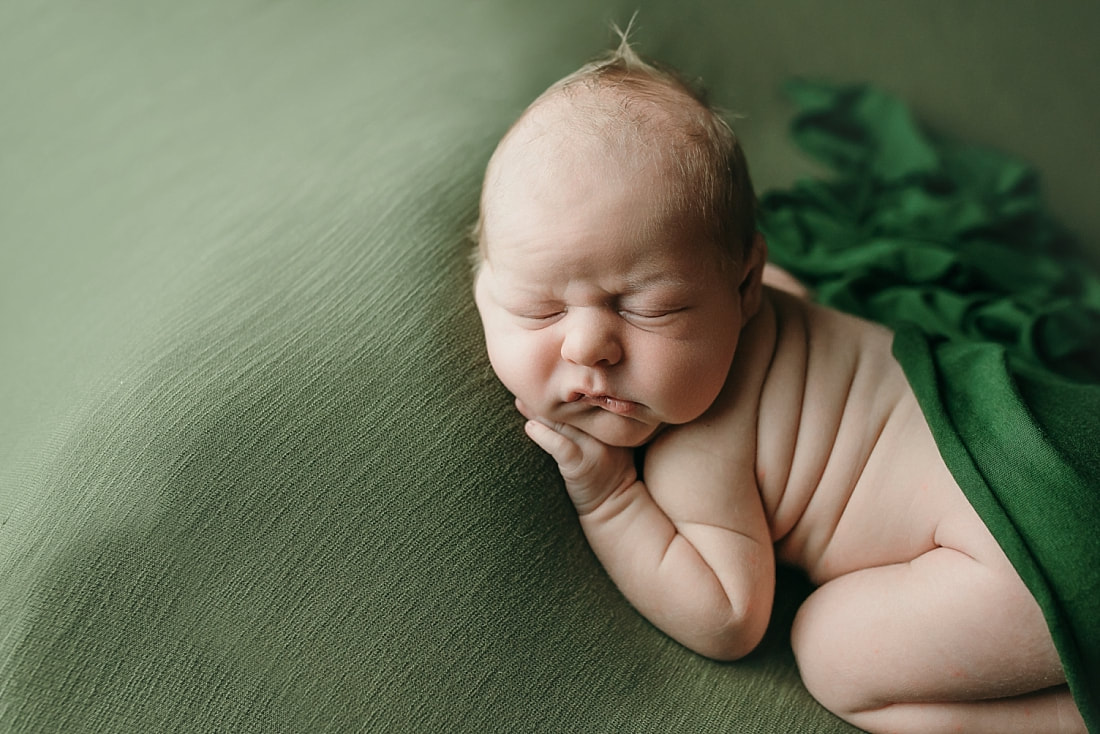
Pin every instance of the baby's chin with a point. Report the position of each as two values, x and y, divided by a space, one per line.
615 430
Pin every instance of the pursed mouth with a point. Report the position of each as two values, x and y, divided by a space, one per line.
618 406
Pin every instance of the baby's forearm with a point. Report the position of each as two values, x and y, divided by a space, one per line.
704 570
708 587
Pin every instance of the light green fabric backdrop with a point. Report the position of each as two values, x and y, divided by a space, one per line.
255 474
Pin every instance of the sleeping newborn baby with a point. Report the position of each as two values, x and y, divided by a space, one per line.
627 305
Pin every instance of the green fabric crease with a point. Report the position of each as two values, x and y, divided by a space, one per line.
913 228
998 331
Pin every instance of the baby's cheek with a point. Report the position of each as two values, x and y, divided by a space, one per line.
693 387
518 367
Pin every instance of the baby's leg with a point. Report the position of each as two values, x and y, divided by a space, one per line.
950 641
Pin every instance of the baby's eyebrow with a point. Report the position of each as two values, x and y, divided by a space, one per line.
525 291
657 280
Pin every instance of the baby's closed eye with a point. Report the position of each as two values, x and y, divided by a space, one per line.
536 315
649 313
655 301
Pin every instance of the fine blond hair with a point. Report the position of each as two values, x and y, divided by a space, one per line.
623 95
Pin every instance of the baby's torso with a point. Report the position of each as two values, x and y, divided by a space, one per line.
846 466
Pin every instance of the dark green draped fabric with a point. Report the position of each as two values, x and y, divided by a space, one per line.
998 331
912 228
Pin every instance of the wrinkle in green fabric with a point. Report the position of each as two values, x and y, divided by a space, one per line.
916 228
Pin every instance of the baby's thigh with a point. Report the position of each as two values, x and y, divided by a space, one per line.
953 624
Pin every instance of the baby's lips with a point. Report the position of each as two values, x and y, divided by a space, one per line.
578 395
618 406
610 403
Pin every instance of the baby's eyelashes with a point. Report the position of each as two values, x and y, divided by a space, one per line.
642 317
532 312
540 317
651 318
648 314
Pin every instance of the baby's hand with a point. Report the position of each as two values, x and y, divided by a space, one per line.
592 470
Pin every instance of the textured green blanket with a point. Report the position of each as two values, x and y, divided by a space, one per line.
255 472
998 330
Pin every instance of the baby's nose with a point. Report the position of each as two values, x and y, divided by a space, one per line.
591 339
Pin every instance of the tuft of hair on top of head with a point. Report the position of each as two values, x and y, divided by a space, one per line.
624 54
623 64
624 50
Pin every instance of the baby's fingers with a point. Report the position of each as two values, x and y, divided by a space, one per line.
565 451
592 471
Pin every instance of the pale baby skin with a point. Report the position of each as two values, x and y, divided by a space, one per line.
774 430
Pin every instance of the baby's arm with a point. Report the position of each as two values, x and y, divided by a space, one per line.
691 552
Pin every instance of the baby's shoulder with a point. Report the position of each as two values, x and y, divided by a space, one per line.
823 348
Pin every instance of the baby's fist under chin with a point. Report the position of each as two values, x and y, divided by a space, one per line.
592 470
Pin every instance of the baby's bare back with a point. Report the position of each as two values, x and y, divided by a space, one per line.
848 471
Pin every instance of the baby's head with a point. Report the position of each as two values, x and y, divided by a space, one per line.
617 251
639 113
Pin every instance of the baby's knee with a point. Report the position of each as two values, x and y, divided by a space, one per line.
835 684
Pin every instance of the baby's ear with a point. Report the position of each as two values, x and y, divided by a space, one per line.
752 275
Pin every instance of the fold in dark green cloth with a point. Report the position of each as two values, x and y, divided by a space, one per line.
997 326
